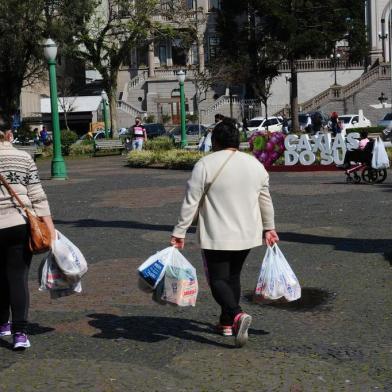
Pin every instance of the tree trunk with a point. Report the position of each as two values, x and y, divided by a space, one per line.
111 90
294 96
113 113
231 102
200 48
66 119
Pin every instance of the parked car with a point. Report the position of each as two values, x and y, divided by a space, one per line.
97 136
261 124
192 132
154 130
354 121
386 121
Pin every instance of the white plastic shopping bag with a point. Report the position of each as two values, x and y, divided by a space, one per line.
68 257
153 269
52 279
180 281
380 157
277 279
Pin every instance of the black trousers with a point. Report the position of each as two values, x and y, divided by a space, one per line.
15 260
224 275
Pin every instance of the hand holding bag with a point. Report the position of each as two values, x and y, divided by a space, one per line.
40 238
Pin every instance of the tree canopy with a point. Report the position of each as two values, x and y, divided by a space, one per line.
258 34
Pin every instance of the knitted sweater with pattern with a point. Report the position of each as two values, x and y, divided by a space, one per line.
19 169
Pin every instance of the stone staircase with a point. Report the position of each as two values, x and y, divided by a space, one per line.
362 93
381 72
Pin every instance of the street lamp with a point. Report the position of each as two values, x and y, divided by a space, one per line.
59 170
382 98
383 35
335 57
105 113
181 80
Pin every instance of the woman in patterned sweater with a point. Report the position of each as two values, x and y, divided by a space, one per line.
18 168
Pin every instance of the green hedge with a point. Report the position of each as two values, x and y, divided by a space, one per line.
84 148
160 143
171 159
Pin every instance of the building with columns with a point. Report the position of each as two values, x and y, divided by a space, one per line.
378 20
147 81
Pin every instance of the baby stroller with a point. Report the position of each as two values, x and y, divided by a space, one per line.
362 169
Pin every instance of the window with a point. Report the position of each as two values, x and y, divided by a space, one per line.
213 44
162 55
194 54
355 119
214 5
191 4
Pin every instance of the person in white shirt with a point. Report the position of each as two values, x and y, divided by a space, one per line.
229 192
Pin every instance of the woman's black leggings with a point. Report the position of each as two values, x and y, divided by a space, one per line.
15 260
224 275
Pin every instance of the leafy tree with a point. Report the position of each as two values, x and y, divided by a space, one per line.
108 35
20 51
290 30
23 27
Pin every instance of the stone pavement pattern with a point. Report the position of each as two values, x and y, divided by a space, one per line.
112 337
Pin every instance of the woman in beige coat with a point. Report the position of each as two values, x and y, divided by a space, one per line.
19 170
229 191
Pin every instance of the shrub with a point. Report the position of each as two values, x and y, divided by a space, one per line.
67 139
141 158
150 118
47 151
166 118
180 159
160 143
84 148
170 159
192 118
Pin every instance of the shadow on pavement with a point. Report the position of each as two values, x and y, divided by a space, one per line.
120 225
36 329
359 245
152 329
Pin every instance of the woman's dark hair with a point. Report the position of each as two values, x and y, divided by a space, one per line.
225 135
363 134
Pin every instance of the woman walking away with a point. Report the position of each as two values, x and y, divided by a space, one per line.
229 192
19 170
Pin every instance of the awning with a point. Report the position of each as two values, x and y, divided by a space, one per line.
73 104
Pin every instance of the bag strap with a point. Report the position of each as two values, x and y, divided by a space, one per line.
12 192
208 186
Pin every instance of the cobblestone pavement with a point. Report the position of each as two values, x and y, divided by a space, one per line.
112 337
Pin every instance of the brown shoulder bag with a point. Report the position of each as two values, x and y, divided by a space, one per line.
40 238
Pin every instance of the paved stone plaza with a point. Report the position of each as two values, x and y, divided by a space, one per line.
112 337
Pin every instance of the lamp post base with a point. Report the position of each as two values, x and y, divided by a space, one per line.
59 170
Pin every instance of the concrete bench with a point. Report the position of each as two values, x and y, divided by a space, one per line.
108 147
32 150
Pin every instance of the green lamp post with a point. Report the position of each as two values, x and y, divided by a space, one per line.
105 112
59 170
181 80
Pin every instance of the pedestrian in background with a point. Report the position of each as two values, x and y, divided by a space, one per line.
139 135
19 170
229 193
